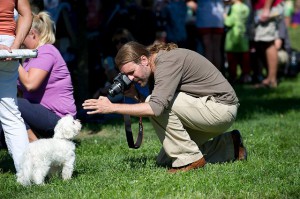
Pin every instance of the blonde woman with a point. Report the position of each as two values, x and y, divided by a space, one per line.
45 81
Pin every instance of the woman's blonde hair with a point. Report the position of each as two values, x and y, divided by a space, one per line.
45 27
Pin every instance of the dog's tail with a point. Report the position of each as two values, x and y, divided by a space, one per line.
25 171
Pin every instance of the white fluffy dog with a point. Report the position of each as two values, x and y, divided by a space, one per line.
47 156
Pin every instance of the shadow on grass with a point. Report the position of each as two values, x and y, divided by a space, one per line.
94 123
77 142
6 163
138 162
272 101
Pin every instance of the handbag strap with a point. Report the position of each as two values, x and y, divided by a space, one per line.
129 135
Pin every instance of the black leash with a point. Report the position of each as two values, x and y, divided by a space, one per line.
129 135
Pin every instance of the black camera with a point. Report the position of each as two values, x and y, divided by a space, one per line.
121 82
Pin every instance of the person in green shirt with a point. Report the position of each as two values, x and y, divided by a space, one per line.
237 41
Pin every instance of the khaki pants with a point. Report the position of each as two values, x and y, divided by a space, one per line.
185 131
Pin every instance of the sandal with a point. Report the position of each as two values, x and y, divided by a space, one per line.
266 85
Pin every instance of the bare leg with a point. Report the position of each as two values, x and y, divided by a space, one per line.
31 136
272 60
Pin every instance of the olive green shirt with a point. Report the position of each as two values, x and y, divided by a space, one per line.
183 70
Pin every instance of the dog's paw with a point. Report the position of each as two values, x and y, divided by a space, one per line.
23 181
66 176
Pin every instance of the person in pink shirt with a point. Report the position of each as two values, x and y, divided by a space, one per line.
45 81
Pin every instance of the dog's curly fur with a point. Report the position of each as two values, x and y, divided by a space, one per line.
47 156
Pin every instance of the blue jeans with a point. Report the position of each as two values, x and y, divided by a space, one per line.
38 118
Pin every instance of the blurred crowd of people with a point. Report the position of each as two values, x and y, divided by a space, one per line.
226 32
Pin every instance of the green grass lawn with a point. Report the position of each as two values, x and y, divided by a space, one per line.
107 168
269 121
